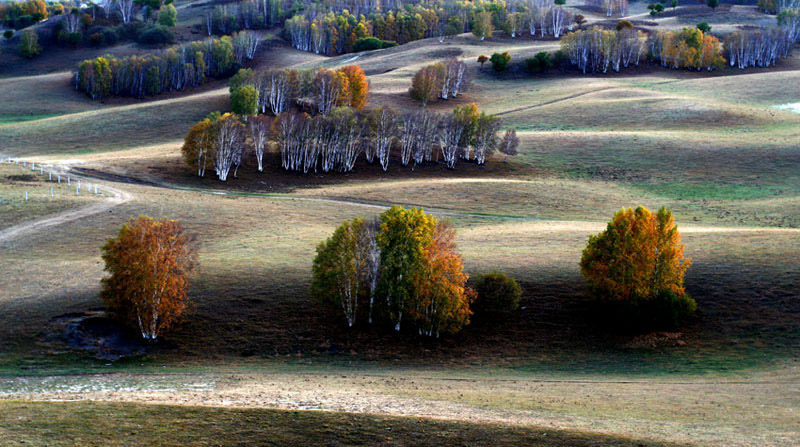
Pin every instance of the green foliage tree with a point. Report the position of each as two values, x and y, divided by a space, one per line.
8 34
168 16
673 4
29 44
655 9
244 101
402 239
482 25
497 294
500 61
712 3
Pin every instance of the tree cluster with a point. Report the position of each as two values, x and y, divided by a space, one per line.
228 18
442 80
21 14
173 69
333 142
150 263
597 50
688 48
758 48
790 21
635 269
610 7
320 90
401 271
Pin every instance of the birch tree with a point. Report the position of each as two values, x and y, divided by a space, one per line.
260 132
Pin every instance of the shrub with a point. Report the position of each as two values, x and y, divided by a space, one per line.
150 262
70 38
635 268
497 293
8 34
130 30
372 43
155 35
540 62
500 61
97 39
624 24
23 22
704 27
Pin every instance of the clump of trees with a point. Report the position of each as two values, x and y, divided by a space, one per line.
635 270
245 15
401 271
597 50
610 7
173 69
542 17
319 90
442 80
789 20
758 48
150 263
333 142
21 14
688 48
500 61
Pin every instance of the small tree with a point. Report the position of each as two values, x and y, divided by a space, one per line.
357 85
167 16
635 268
509 143
150 262
482 25
624 24
29 44
704 27
497 293
244 101
427 83
500 61
8 34
673 4
482 59
712 4
579 20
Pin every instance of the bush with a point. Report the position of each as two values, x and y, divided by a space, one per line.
540 62
97 39
497 293
635 270
23 22
130 30
155 35
372 43
8 34
70 38
500 61
704 27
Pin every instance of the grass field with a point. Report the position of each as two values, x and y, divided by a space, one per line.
712 147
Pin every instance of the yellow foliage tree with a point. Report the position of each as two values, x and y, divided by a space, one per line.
637 257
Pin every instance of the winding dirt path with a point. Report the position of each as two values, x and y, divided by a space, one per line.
118 197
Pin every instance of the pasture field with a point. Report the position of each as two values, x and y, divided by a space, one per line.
257 361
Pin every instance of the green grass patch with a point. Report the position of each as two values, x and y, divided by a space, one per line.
117 424
715 191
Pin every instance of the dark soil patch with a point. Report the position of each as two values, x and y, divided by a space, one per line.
95 334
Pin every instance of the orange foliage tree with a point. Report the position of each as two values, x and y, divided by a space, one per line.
150 262
442 300
357 86
637 257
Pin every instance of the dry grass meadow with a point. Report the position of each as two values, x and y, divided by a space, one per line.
256 355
